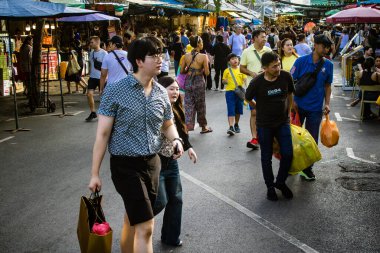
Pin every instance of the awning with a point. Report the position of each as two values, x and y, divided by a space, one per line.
232 14
247 15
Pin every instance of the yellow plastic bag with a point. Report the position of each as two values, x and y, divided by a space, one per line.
329 132
378 100
305 150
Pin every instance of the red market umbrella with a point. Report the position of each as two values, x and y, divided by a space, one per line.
356 15
309 26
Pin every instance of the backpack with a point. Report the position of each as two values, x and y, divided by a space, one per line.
271 40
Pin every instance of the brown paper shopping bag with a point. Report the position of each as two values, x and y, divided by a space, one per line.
90 212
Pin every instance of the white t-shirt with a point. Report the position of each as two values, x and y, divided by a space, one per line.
238 43
99 56
115 71
165 62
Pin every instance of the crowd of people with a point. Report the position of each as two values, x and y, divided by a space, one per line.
145 120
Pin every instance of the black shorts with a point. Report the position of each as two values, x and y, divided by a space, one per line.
136 180
93 83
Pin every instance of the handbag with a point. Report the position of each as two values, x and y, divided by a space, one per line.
91 213
378 101
239 90
73 67
97 64
308 80
121 64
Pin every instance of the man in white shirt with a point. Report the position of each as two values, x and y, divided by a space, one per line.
237 42
112 70
96 58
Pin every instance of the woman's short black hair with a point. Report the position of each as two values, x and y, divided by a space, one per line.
139 49
268 58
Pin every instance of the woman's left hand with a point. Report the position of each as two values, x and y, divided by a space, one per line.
192 155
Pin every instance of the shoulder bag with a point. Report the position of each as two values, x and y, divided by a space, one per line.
121 64
308 80
97 64
239 90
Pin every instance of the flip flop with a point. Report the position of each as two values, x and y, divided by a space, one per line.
208 130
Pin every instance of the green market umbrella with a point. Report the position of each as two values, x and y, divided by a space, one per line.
331 12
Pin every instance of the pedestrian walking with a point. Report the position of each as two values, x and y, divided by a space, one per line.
232 77
220 51
206 50
96 58
287 54
195 65
250 65
170 187
133 113
310 106
165 64
26 51
273 39
273 92
178 51
76 54
302 48
115 65
237 41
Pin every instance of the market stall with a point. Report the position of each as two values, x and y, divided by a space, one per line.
359 15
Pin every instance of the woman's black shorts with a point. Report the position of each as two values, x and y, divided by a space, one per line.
136 180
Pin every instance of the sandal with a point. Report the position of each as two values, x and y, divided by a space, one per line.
207 130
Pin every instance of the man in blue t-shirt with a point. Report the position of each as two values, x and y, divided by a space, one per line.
184 39
310 106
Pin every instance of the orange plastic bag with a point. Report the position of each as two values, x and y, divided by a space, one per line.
295 118
329 133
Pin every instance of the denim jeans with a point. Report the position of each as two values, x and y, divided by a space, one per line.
313 121
170 197
284 138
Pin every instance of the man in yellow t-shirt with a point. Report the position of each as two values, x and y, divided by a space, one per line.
234 103
251 66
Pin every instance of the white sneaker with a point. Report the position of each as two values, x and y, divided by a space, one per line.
221 90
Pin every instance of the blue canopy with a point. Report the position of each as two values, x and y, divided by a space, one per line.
17 9
88 18
29 9
257 21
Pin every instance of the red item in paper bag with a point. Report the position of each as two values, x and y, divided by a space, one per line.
101 228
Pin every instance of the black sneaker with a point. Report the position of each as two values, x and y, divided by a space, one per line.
271 194
307 174
231 130
91 116
286 192
237 128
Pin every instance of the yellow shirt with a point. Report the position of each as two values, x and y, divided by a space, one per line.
249 59
240 77
287 62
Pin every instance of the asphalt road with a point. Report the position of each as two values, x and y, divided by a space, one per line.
44 173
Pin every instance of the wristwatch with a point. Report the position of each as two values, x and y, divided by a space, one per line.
179 139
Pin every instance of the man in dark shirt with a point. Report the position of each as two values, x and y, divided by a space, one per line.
273 92
220 51
178 51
